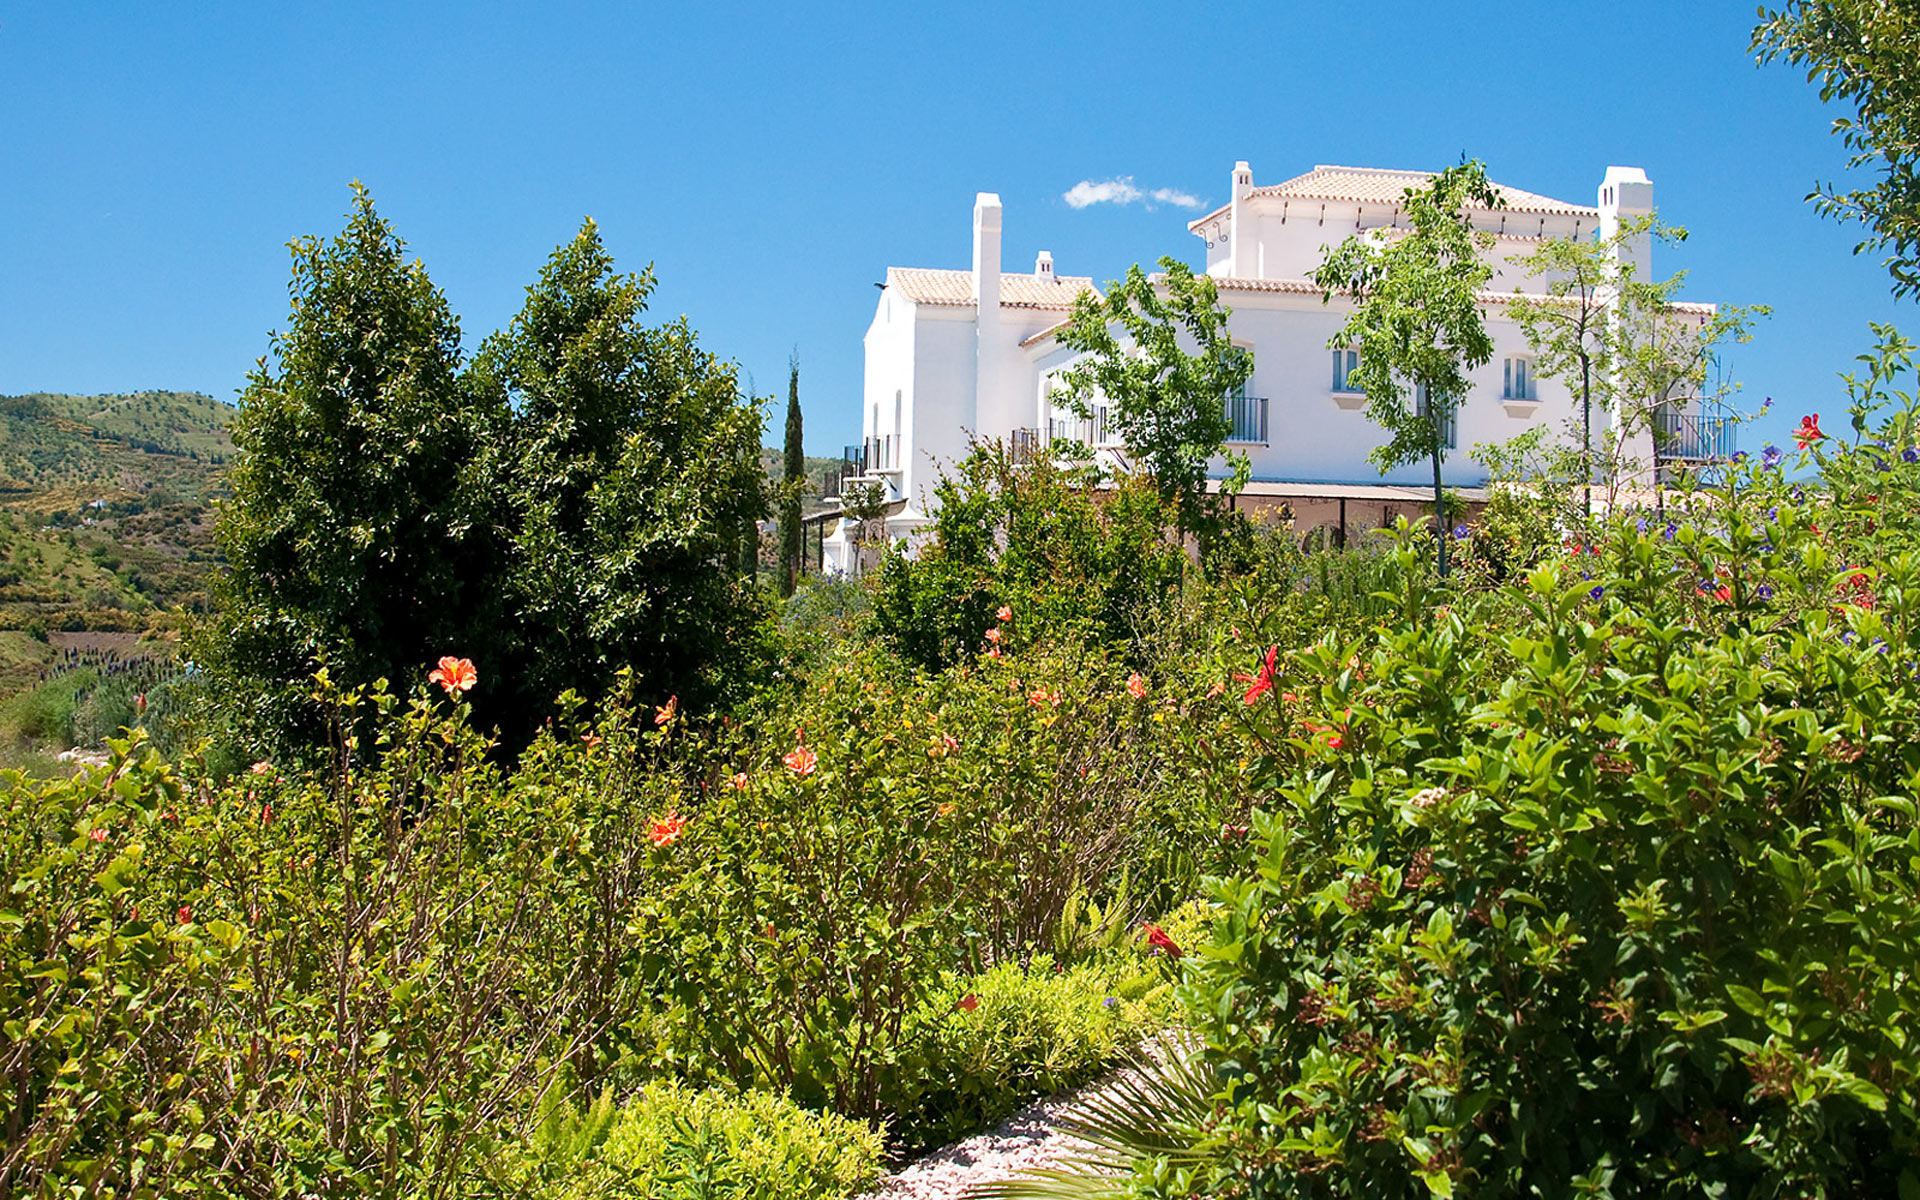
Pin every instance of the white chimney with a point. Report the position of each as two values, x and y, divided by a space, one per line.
1043 266
986 297
1240 245
1625 194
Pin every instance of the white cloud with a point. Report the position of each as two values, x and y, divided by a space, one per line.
1121 190
1113 191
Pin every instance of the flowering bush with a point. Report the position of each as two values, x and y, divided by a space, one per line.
891 830
1038 542
1601 878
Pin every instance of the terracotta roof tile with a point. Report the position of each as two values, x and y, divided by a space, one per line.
1380 185
924 285
1375 185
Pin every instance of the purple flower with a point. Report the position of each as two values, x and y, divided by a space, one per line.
1766 404
1764 591
1111 1002
1910 455
1460 533
1596 592
1796 495
1641 524
1669 531
1770 456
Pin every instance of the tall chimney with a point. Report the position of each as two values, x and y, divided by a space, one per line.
1240 249
986 298
1626 193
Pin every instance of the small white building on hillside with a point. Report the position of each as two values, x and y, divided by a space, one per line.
958 355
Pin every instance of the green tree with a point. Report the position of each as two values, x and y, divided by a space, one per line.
1071 560
1633 349
1567 326
1159 351
1416 319
358 533
629 475
793 481
1660 357
1862 52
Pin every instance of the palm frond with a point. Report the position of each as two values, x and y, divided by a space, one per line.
1155 1108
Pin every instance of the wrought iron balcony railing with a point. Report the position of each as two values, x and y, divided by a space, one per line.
1248 416
1693 437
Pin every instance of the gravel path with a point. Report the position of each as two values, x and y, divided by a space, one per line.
1029 1138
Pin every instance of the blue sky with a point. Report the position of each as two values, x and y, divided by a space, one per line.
772 161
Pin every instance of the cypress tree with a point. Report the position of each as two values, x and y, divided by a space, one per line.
794 480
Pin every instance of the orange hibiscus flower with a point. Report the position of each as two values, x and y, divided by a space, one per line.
454 674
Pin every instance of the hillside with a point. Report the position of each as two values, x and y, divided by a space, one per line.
105 521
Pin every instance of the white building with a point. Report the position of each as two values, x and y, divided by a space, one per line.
956 355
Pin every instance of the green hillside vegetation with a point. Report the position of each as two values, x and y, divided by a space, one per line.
106 535
60 451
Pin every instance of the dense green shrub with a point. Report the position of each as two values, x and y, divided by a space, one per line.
669 1143
1599 881
981 1046
1079 562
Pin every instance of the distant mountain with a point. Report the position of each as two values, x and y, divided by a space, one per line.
61 452
106 521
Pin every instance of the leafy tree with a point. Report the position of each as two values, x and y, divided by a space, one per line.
1417 319
359 533
1568 328
1069 558
1661 356
1160 353
793 480
1636 351
1862 52
629 474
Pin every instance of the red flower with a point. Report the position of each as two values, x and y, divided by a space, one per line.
454 674
666 831
993 635
967 1003
98 835
261 768
1136 686
1264 681
1809 432
739 782
666 712
800 760
1157 939
1005 613
1039 696
185 914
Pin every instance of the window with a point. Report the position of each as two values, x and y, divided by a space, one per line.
1345 363
1449 429
1519 379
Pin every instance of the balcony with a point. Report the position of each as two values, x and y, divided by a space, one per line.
852 465
1248 417
1684 437
1025 446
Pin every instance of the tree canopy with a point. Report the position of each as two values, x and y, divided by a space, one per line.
1159 352
1416 319
569 505
1862 52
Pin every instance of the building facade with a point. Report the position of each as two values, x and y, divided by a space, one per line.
954 356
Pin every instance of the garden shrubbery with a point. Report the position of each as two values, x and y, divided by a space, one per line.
1598 881
375 977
